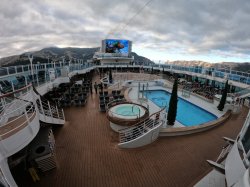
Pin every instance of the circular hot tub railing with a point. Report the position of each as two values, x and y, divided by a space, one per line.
112 116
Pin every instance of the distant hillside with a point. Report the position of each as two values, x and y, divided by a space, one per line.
244 66
56 54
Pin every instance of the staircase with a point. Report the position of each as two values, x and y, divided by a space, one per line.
49 113
142 133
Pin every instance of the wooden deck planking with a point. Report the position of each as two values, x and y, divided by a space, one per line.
88 156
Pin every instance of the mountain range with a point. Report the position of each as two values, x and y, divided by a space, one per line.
56 54
243 66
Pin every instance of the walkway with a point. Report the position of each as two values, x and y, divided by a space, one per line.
88 156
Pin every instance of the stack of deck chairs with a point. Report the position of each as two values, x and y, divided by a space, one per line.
103 100
76 95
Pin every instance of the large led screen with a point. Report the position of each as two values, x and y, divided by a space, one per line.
117 46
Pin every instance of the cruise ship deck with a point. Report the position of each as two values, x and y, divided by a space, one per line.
87 154
124 93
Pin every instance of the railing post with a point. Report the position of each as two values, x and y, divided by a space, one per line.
41 106
26 82
45 68
154 120
63 114
57 112
45 77
3 100
37 80
35 68
26 115
50 109
143 126
12 85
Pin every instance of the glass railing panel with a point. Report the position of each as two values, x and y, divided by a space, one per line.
3 71
19 69
248 81
246 140
234 77
25 68
239 73
12 70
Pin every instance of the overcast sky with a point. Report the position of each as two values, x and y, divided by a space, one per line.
213 30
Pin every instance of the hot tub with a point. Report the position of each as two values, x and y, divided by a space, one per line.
126 114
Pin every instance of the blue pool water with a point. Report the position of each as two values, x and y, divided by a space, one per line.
188 114
128 110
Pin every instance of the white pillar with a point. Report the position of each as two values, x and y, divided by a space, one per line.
12 85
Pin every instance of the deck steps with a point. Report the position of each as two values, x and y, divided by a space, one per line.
50 113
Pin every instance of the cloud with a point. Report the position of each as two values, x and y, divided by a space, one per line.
192 27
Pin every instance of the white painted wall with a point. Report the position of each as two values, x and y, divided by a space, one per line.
140 141
234 167
6 173
19 140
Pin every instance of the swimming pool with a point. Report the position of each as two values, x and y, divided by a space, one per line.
188 114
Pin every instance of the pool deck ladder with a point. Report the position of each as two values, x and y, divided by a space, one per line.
141 89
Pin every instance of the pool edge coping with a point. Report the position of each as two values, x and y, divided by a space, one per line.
178 131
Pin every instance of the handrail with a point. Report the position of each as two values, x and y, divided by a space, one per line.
145 126
6 104
11 93
15 118
27 119
15 109
137 115
144 119
118 101
238 76
243 92
50 110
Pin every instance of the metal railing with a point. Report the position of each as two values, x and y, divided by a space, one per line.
10 73
13 109
50 110
141 128
225 150
132 114
16 119
243 93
